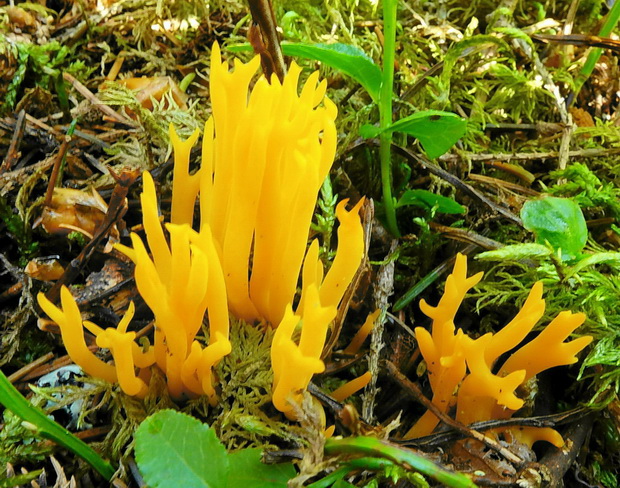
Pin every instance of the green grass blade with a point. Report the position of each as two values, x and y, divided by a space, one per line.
48 429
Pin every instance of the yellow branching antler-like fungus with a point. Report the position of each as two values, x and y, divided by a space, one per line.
265 154
460 368
69 320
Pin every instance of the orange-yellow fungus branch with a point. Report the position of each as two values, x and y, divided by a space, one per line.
460 368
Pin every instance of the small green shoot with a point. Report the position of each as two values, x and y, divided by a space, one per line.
174 449
48 429
558 222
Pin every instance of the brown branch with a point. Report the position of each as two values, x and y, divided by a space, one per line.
581 153
267 45
13 152
116 209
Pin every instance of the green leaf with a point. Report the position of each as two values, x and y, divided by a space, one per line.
348 59
428 200
368 131
515 252
436 130
246 470
558 221
175 450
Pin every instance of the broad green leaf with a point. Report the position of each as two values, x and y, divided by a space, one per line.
558 221
515 252
174 450
246 470
348 59
437 131
428 200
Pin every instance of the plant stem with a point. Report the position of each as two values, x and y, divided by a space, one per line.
385 112
369 446
610 23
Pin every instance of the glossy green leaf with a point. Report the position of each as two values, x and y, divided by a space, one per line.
175 450
558 221
348 59
437 131
428 200
247 470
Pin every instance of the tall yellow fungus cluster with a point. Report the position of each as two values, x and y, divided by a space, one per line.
265 154
460 369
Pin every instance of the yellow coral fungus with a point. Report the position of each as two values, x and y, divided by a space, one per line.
362 333
351 387
265 154
461 369
69 320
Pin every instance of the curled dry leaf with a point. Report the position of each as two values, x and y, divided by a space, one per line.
74 211
147 88
45 268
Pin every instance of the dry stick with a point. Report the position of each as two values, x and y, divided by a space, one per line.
503 184
414 392
43 369
106 110
565 116
463 235
20 373
262 14
383 290
458 183
570 18
116 210
18 134
567 135
42 125
552 421
62 151
581 153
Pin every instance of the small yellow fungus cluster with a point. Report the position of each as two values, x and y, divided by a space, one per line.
460 368
265 154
